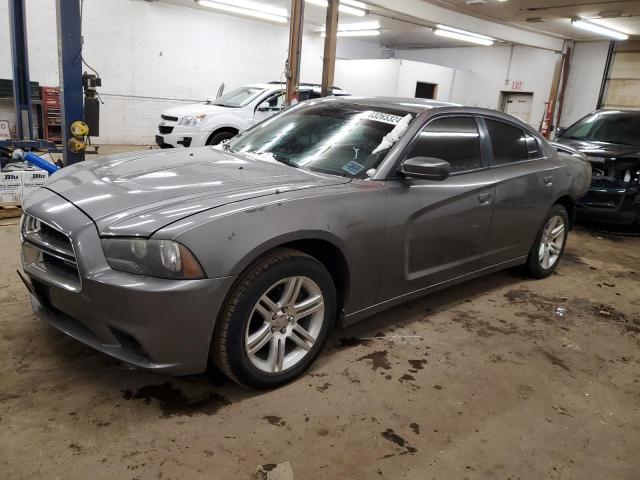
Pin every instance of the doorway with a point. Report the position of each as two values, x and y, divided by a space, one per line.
517 104
426 90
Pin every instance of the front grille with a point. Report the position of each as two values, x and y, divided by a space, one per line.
169 117
47 253
165 130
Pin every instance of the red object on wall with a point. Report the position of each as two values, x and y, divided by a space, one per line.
547 122
51 117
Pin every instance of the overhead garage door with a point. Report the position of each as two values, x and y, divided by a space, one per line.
622 87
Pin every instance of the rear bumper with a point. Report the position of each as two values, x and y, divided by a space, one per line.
611 205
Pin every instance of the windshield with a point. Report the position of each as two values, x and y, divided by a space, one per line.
336 138
610 127
238 97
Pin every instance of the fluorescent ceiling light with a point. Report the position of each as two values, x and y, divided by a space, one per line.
248 8
592 27
345 6
355 33
464 38
354 3
464 32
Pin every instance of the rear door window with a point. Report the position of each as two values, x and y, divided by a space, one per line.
454 139
509 143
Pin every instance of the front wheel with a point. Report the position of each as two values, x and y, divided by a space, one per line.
549 245
220 137
276 320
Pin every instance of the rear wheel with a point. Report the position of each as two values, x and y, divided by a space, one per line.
219 137
276 320
549 245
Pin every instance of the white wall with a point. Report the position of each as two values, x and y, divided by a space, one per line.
154 55
397 77
368 78
585 78
491 73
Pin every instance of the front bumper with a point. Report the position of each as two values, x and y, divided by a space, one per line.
612 205
153 323
179 136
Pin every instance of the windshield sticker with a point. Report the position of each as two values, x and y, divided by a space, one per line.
394 135
383 117
353 168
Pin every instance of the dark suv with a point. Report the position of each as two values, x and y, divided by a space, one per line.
611 141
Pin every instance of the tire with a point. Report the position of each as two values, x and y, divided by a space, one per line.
216 138
547 250
255 347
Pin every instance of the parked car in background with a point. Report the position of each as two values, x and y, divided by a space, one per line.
245 255
611 141
214 121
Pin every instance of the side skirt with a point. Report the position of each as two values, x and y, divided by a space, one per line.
354 317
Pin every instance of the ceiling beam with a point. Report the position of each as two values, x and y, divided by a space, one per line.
434 14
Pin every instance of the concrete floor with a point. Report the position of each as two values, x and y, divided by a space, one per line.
484 380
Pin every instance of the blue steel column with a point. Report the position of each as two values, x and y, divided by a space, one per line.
70 65
20 58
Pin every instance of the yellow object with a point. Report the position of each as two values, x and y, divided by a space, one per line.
76 145
79 129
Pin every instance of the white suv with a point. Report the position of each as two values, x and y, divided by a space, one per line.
216 120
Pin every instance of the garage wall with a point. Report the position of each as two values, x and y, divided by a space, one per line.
155 55
496 69
585 78
396 77
622 88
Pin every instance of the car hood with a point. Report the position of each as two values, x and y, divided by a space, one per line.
136 194
601 149
194 109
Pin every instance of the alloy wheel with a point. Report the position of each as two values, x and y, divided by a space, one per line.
551 242
284 324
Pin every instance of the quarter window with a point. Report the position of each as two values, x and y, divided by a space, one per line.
510 143
454 139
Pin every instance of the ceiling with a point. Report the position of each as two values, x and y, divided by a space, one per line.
550 17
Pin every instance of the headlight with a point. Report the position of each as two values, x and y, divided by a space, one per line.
154 258
191 120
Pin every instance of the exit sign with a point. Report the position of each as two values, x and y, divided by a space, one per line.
517 85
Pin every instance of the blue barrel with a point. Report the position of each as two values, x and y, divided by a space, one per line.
41 163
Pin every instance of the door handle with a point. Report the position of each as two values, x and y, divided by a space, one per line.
548 181
485 198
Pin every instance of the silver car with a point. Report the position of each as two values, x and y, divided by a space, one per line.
245 255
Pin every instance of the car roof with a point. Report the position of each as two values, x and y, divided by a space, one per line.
277 85
632 111
415 105
421 105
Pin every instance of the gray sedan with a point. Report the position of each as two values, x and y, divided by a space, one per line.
245 255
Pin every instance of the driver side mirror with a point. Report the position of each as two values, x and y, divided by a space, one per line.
426 168
266 107
560 131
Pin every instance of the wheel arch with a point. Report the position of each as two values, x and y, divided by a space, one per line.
569 203
323 246
227 129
